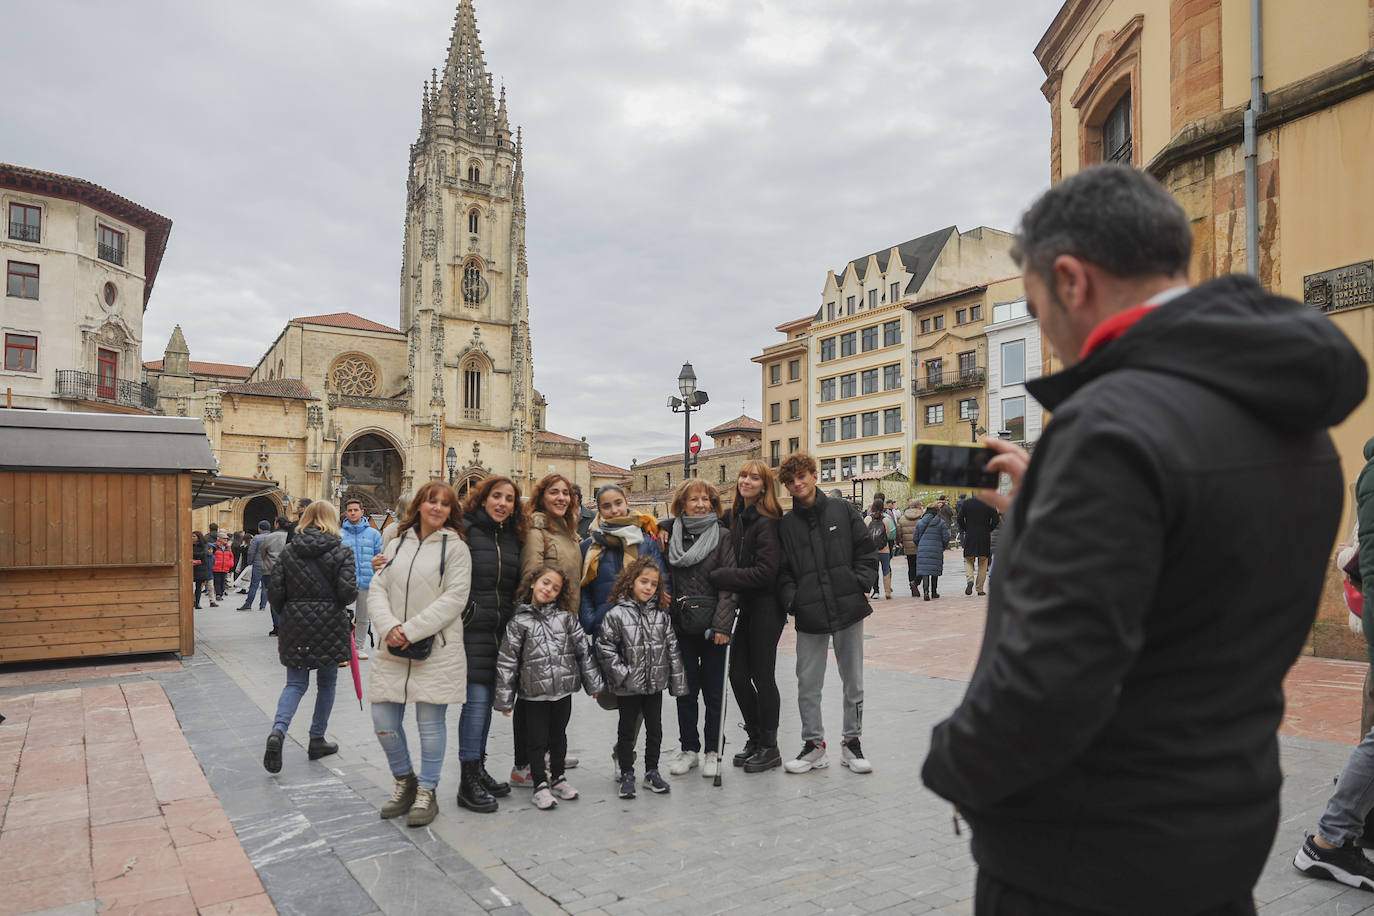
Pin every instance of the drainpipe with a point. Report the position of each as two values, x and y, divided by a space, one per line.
1251 141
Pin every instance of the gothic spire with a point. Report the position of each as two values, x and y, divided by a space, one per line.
465 74
502 121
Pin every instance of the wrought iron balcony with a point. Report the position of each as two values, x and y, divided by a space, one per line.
972 377
112 253
23 232
87 386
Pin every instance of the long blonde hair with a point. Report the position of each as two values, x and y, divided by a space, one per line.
767 503
321 515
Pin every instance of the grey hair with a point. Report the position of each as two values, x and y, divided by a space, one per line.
1113 216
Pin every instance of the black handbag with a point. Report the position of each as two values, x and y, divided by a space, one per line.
692 614
419 649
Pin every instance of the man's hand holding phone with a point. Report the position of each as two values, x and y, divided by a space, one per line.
1011 460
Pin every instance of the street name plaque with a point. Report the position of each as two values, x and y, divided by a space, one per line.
1342 288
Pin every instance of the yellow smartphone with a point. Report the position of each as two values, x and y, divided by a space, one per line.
953 464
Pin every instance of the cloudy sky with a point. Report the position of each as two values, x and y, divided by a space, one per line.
693 166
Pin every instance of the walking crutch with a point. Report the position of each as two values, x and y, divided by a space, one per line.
725 700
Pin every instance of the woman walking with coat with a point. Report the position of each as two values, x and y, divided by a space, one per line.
416 600
931 538
495 528
313 582
753 525
202 559
703 618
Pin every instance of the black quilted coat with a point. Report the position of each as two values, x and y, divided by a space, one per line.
313 582
545 653
491 603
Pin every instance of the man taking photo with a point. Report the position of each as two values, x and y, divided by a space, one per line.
1115 751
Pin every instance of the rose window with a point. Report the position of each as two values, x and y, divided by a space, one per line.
355 376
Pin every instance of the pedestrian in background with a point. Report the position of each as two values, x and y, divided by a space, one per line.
585 514
639 659
366 542
828 568
494 527
271 547
551 540
254 561
882 531
976 521
223 565
418 596
906 533
703 619
1116 749
752 522
313 583
545 658
201 561
931 538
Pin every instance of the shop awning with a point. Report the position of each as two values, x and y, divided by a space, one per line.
208 489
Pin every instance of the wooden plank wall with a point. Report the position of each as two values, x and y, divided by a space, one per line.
89 565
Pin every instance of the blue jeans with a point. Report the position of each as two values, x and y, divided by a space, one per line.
258 581
387 719
297 679
1351 802
474 722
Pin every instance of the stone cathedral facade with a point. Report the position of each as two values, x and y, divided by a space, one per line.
340 405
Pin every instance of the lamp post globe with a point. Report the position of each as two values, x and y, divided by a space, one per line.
973 419
451 460
687 381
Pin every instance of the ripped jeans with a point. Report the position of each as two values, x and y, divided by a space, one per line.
388 720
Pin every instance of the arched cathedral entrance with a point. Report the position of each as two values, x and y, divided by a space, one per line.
372 469
259 509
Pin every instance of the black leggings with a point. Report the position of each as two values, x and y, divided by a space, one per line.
632 706
753 669
517 727
546 732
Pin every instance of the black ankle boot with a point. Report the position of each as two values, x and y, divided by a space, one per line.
767 756
750 748
471 794
271 758
494 789
320 748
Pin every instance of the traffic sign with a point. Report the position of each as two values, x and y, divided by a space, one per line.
694 444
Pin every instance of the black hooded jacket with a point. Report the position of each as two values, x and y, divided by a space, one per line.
828 565
1116 747
491 604
313 583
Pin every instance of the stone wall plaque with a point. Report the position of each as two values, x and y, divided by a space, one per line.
1342 288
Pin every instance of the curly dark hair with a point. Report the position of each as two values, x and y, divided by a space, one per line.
567 593
478 494
623 589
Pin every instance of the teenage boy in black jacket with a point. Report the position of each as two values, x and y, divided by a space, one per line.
828 568
1116 750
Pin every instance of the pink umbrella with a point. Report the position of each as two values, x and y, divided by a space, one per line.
353 665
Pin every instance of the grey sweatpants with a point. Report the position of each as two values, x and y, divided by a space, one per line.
1353 799
849 658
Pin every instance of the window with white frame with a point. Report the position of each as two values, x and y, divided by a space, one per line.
869 381
1014 417
828 430
870 462
1013 362
827 469
849 426
892 377
935 414
827 389
870 423
847 385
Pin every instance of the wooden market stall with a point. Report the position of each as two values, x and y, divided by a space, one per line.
95 533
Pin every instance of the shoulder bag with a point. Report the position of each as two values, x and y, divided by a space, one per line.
692 614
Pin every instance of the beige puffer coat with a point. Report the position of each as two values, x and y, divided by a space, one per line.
638 651
550 543
545 653
409 593
906 529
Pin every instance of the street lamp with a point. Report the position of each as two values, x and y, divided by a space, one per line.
691 400
451 459
973 419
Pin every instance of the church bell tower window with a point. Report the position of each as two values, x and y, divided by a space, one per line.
474 286
474 171
472 393
472 220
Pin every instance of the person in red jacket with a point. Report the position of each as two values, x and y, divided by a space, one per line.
224 564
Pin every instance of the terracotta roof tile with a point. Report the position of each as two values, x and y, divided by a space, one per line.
229 370
602 469
275 388
741 422
706 454
543 435
345 320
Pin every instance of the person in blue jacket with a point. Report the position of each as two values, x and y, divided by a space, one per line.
617 536
366 543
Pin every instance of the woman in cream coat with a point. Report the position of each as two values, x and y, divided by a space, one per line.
420 592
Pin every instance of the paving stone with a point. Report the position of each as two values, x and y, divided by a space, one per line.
408 882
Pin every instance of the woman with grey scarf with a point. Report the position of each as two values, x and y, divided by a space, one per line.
702 616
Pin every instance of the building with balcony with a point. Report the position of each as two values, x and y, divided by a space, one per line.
949 362
862 339
1015 348
80 263
786 391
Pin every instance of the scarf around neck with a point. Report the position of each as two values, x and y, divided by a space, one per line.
626 532
706 530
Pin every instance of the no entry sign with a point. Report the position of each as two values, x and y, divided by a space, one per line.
694 444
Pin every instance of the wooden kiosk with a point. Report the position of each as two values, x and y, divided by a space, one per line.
95 533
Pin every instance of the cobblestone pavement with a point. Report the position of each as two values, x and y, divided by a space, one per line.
827 841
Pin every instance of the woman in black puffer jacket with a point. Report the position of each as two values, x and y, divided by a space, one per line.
313 583
495 529
753 524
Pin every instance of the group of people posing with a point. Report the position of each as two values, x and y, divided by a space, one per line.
495 603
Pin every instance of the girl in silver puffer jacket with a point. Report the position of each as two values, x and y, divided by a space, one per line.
544 659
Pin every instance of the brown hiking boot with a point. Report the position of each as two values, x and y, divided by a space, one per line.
402 798
425 809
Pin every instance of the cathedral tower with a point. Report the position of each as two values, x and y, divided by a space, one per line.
463 274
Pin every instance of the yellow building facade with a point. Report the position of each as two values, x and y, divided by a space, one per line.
1169 86
786 391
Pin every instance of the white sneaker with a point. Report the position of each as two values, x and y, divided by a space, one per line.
683 762
710 765
812 757
852 756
